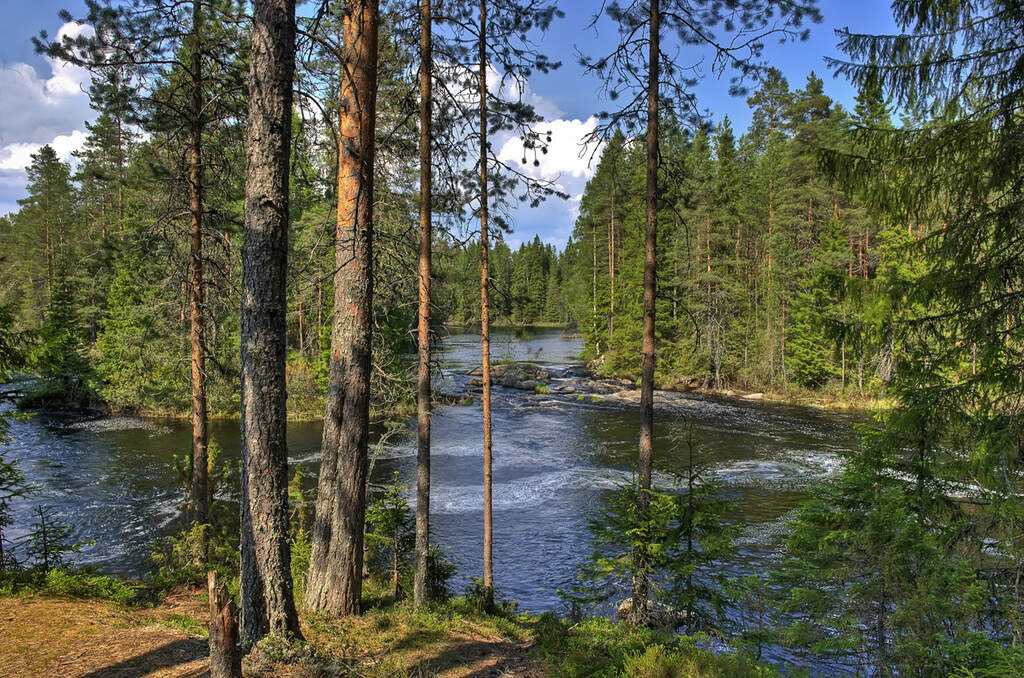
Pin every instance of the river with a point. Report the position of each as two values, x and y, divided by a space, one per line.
555 460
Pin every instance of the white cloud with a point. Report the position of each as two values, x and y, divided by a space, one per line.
18 156
568 164
568 153
37 110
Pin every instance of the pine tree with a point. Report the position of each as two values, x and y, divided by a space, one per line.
948 176
268 602
185 64
58 355
335 577
44 229
134 350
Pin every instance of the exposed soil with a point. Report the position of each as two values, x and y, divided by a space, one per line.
70 638
85 639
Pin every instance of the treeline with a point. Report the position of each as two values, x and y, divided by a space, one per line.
527 283
770 275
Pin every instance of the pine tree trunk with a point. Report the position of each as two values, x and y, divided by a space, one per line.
593 283
485 324
336 566
843 383
641 581
423 376
268 604
199 496
611 270
867 244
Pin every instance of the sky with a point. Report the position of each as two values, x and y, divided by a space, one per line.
44 102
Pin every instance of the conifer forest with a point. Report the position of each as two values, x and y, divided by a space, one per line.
639 338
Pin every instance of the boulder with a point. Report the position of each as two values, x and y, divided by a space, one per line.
513 375
659 615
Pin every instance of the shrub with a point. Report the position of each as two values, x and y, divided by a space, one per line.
601 648
185 558
76 583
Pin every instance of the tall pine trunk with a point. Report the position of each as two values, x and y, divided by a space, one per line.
611 266
485 321
200 489
423 377
336 566
268 603
641 579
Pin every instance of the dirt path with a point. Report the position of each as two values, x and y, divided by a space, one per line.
68 638
84 639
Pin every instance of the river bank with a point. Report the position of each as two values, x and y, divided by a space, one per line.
100 639
86 638
672 395
558 457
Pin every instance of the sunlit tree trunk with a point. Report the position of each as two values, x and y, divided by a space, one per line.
423 376
485 321
336 565
200 490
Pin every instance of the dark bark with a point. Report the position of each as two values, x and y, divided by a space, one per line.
225 658
641 580
200 489
423 376
268 605
336 566
485 321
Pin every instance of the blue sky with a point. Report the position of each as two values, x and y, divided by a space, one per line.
42 102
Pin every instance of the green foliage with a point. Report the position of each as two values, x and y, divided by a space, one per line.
393 529
133 351
76 583
874 571
604 649
185 558
685 540
766 270
56 356
484 600
526 284
223 476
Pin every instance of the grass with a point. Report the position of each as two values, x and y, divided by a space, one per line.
452 639
72 583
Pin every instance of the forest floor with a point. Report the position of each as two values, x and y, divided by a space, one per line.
66 637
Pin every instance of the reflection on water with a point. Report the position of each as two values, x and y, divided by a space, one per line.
554 461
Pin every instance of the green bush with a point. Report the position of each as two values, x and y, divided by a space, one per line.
601 648
687 661
75 583
440 570
302 549
482 600
185 558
